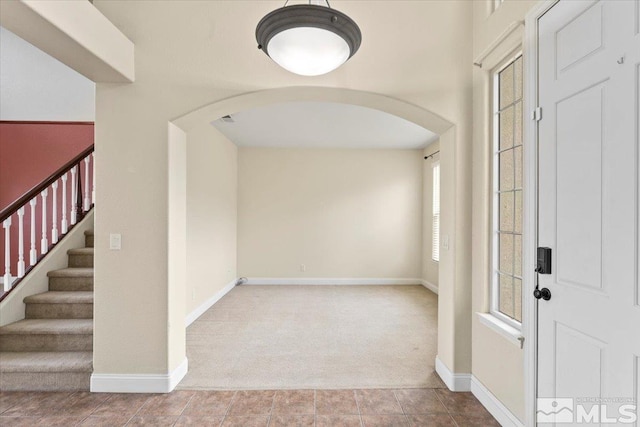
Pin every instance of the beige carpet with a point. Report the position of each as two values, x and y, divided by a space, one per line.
266 337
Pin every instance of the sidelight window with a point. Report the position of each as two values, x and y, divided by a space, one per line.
506 295
435 242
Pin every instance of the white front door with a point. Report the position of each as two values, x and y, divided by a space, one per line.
589 331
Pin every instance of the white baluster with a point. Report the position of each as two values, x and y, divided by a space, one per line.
44 243
87 189
64 227
33 253
74 194
93 179
6 224
21 242
54 214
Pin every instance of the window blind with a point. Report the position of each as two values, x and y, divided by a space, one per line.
435 245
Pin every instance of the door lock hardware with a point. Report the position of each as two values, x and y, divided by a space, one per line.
543 293
543 266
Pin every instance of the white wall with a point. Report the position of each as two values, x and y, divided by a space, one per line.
177 254
497 362
36 87
342 213
212 214
430 268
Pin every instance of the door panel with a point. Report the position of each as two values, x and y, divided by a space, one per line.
637 16
588 193
637 106
579 121
579 38
636 387
582 376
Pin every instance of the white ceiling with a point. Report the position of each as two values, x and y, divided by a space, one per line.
322 124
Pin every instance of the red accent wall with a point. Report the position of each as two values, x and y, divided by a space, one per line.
29 153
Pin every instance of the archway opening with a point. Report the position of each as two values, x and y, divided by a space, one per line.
195 130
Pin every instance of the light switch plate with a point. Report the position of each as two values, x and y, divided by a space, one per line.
115 241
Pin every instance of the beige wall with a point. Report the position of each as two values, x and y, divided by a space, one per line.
429 266
192 53
212 187
341 213
497 362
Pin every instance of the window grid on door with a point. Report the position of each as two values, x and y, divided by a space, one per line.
506 301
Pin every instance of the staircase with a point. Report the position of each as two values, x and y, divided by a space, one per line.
51 349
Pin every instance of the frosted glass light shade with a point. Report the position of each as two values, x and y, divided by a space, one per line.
308 51
308 40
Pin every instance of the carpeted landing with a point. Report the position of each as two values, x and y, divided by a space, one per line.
323 337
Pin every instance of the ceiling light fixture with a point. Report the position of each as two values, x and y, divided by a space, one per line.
308 39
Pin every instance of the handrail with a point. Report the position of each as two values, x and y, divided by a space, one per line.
52 228
26 197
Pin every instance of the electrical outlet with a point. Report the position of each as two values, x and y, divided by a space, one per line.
303 268
445 242
115 241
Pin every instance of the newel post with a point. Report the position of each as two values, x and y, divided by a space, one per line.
78 202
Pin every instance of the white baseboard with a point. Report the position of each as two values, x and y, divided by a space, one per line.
329 281
433 288
139 383
191 317
500 412
455 382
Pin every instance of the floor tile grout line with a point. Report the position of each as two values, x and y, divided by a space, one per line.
404 413
273 404
10 407
233 399
447 409
96 408
138 411
185 407
355 396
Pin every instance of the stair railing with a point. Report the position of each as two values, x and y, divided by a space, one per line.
71 209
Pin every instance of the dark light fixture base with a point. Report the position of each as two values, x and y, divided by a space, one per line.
304 15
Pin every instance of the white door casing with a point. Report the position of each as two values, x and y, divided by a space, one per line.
589 93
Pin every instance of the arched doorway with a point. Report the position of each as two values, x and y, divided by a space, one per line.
211 112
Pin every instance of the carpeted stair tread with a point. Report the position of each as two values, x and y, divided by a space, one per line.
72 272
88 233
62 361
56 297
80 251
49 327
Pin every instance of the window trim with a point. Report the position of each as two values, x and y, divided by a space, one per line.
494 302
435 240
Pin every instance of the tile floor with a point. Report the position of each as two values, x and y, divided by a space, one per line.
313 408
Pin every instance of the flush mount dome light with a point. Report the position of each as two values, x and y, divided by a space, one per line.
307 39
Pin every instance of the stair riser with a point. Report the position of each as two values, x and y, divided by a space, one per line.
48 342
70 284
80 261
59 311
45 381
88 241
